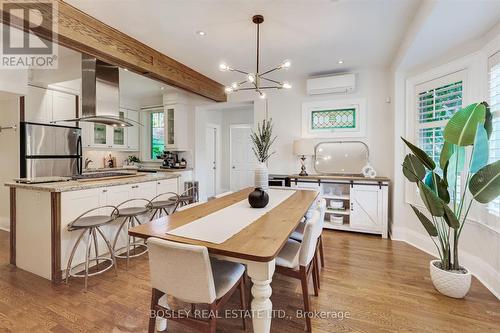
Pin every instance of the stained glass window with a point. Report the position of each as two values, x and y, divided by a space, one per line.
331 119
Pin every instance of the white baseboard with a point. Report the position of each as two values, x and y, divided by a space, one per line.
486 274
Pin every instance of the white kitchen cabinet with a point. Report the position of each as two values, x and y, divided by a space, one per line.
176 125
63 107
38 105
167 185
132 133
45 105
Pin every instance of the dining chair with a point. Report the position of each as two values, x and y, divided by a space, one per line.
298 233
298 260
186 272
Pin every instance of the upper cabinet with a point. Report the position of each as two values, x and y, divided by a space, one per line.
44 106
176 122
109 137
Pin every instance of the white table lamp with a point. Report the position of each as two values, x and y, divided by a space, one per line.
303 148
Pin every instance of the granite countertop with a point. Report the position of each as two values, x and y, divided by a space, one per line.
342 177
142 168
74 185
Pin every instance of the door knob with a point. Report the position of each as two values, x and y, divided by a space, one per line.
234 167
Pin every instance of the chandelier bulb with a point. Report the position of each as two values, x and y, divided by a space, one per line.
223 67
234 85
228 90
286 85
286 64
251 77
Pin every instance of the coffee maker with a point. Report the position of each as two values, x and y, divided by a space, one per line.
169 159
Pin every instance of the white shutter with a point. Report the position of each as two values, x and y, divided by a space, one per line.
494 101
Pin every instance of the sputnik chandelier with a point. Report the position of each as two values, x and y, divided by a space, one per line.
258 81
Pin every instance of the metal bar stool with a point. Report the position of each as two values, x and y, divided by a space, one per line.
187 197
167 206
90 226
130 215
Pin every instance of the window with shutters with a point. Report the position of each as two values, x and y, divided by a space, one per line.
494 101
437 101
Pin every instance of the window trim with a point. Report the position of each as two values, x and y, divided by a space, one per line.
145 116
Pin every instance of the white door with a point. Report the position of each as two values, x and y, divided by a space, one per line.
366 208
243 161
211 143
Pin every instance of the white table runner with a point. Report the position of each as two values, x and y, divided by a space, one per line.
223 224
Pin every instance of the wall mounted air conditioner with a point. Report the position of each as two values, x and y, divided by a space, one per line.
334 84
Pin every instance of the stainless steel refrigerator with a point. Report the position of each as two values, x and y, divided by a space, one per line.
50 150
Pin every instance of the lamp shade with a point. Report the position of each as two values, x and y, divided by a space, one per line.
303 147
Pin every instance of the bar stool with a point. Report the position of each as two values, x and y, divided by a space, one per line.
90 226
167 205
130 215
187 197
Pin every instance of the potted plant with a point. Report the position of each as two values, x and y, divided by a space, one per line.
448 205
133 160
262 142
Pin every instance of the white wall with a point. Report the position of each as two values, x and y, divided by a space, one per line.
9 152
285 108
479 243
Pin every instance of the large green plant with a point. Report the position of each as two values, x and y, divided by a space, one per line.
263 140
448 206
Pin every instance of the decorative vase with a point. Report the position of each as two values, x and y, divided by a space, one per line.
262 176
258 198
450 283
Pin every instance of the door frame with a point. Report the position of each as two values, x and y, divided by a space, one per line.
218 147
250 126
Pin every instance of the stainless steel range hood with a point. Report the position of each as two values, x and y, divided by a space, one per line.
101 94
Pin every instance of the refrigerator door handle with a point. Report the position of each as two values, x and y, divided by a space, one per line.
80 157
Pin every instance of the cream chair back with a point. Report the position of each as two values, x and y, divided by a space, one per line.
308 245
322 210
181 270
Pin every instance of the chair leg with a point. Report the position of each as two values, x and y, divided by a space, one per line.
111 251
321 251
305 295
128 243
87 257
243 301
155 296
212 323
70 260
316 263
94 236
315 276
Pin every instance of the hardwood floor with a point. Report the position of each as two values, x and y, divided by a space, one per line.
382 285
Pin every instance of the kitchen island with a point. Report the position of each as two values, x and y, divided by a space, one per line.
40 213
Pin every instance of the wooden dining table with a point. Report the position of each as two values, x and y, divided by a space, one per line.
256 246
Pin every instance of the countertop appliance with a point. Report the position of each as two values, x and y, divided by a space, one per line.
50 150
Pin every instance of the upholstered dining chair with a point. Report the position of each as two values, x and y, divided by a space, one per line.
298 234
186 272
298 260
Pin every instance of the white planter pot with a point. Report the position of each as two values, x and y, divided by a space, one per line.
451 284
262 176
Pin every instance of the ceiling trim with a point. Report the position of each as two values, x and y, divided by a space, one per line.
84 33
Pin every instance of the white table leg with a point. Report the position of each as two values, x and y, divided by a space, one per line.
261 274
161 323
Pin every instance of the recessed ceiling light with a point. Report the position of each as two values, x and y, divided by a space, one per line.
125 69
162 88
340 62
201 33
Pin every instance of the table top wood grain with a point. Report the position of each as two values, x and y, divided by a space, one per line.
260 241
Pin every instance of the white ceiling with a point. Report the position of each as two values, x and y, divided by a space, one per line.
314 34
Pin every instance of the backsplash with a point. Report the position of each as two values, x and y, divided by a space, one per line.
97 156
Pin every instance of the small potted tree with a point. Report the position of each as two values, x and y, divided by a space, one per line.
448 206
262 141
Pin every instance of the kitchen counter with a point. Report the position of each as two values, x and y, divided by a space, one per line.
143 168
74 185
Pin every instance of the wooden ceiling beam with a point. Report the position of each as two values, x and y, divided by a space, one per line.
83 33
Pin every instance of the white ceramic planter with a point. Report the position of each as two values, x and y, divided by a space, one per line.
451 284
262 176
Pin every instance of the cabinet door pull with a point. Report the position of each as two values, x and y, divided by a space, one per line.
135 186
104 191
352 206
